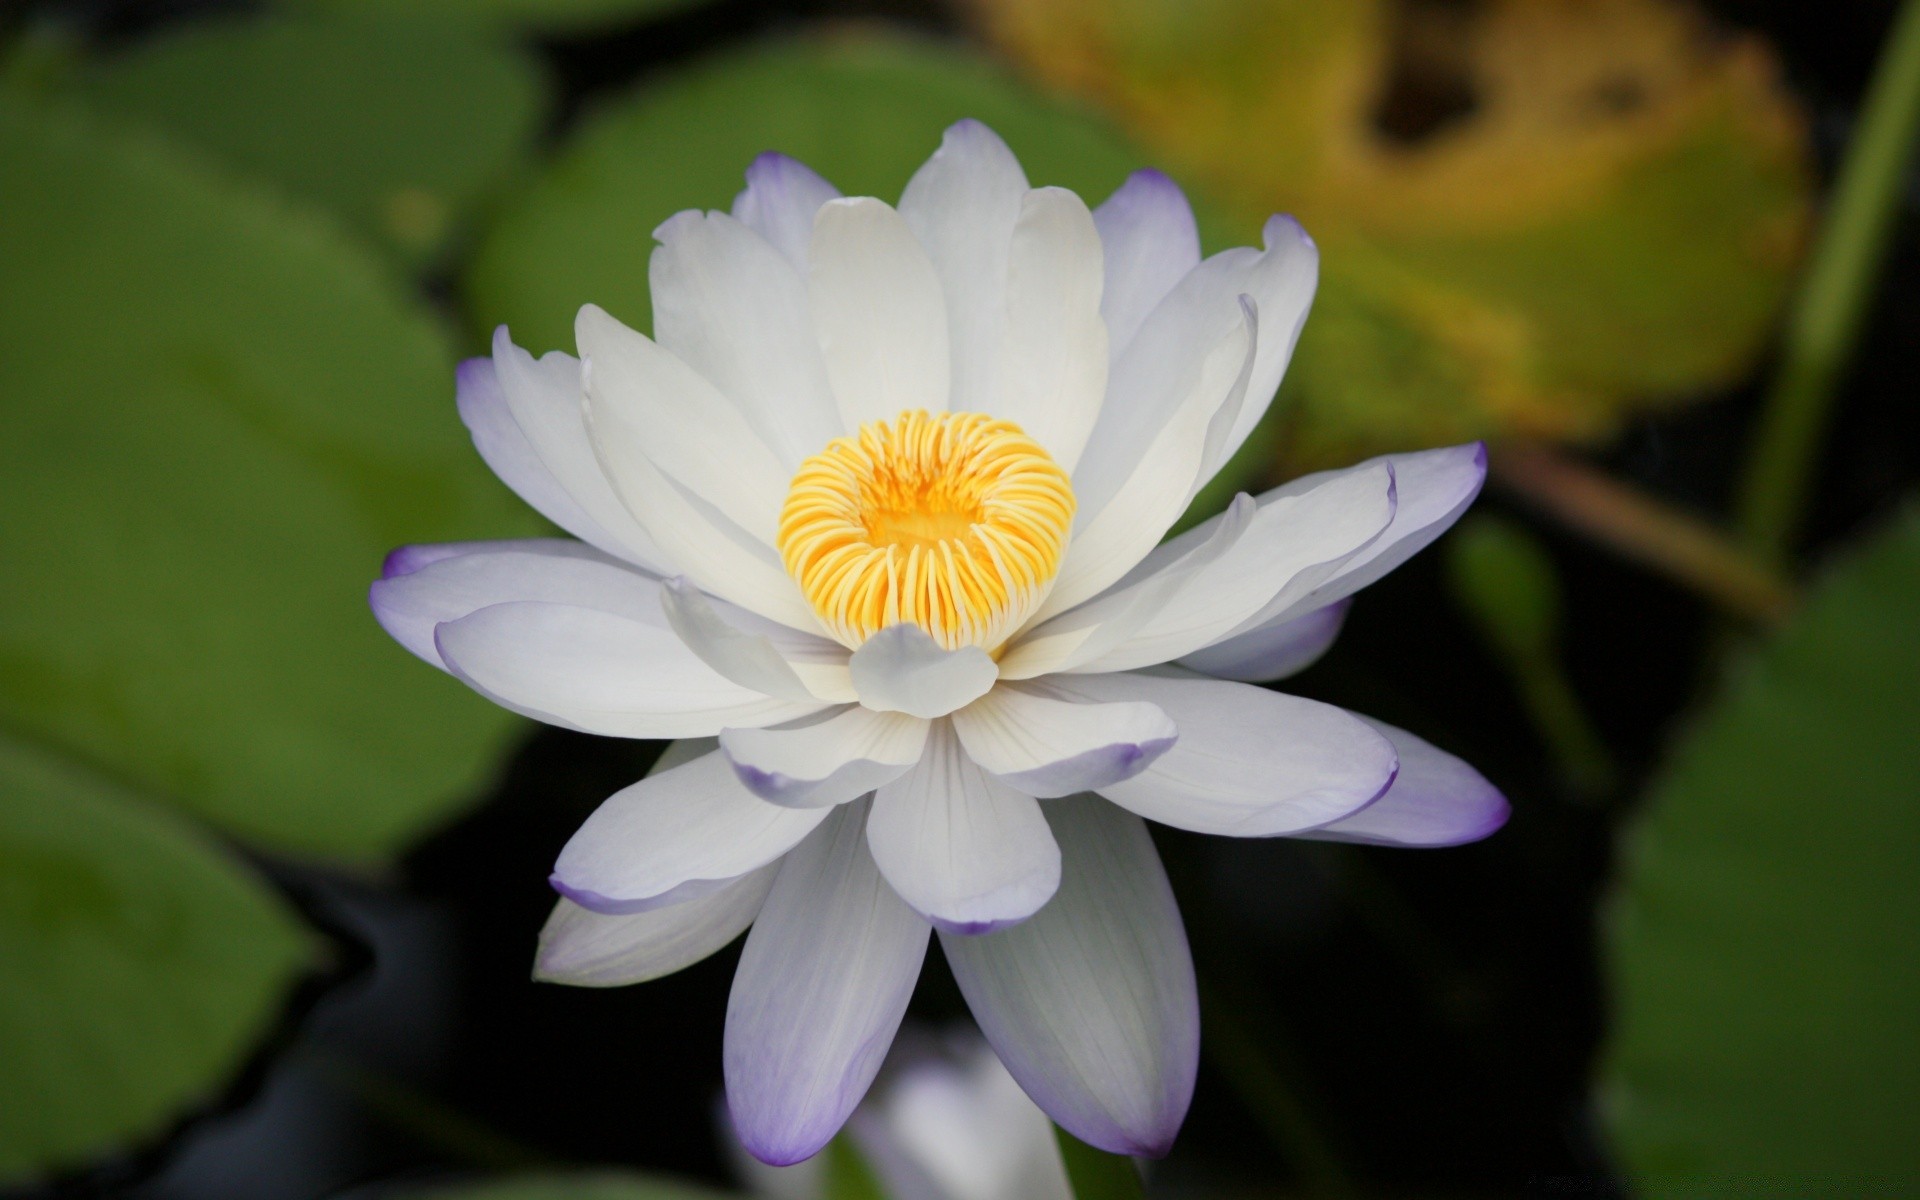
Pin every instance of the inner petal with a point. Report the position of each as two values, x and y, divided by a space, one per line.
955 522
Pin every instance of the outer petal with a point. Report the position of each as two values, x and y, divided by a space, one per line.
819 993
599 672
589 949
1044 746
727 304
781 198
878 313
693 434
1053 359
1091 1003
964 850
525 420
818 762
1249 762
421 586
962 206
902 669
676 835
1435 800
1150 242
1273 651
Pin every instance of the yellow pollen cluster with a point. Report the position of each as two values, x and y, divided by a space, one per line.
954 522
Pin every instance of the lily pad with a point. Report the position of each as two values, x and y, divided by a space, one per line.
221 414
1764 980
143 964
400 126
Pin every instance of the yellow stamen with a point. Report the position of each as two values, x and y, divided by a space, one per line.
954 522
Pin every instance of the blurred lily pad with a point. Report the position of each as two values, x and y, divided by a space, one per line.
142 965
863 109
1765 982
597 1186
1537 215
221 413
400 126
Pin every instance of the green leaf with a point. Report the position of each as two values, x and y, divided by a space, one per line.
220 415
863 110
142 965
400 126
550 16
1096 1174
1764 977
597 1186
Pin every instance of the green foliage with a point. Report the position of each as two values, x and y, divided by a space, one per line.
141 964
571 1187
220 415
864 111
401 127
1764 976
1096 1174
552 16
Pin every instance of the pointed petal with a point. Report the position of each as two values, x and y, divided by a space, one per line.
781 198
877 312
748 659
902 669
962 205
1150 242
963 849
1091 1003
1275 650
819 762
676 835
588 949
1249 762
1053 357
821 987
1044 746
599 672
1435 800
729 306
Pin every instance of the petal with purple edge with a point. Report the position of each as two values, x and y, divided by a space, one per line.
1092 1003
826 759
963 849
1044 746
780 201
1275 650
588 949
1150 242
1436 800
681 833
819 993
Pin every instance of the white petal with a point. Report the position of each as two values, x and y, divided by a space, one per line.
963 849
693 434
963 1131
781 198
877 312
526 422
1150 242
588 949
1435 800
728 305
1092 1003
421 586
1249 762
1275 650
825 760
902 669
1053 360
748 659
962 206
819 993
1107 543
599 672
674 836
1044 746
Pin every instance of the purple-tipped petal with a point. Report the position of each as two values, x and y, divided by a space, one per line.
1273 651
902 669
1150 242
587 949
1436 800
1091 1003
779 203
819 993
1042 745
820 762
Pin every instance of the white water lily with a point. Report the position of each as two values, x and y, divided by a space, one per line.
872 523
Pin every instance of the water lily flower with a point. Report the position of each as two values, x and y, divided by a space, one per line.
872 525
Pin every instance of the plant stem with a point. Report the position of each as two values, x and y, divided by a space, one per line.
1675 543
1095 1174
1824 325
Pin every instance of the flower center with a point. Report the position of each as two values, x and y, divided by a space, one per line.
954 522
